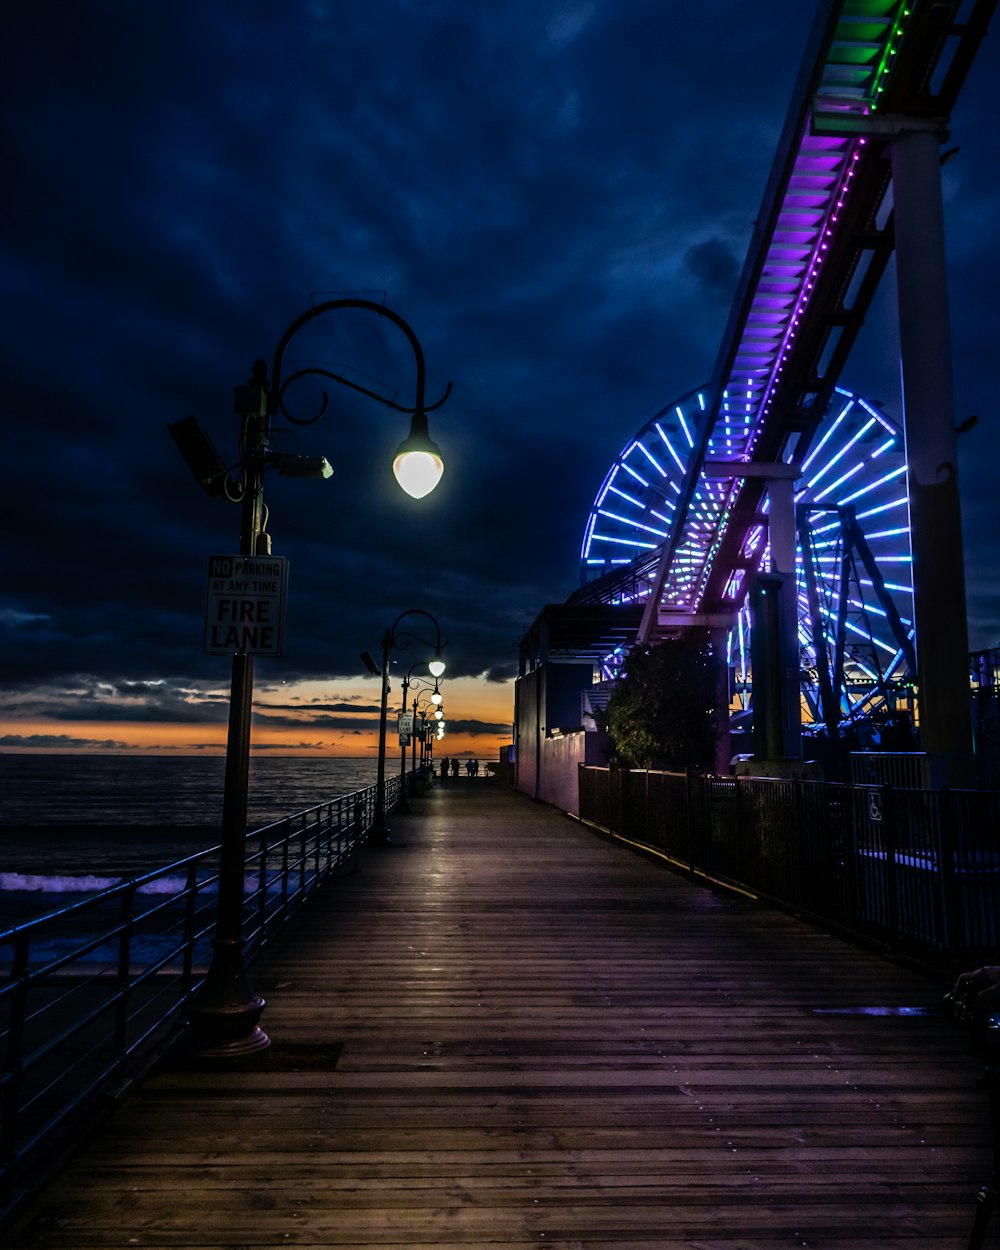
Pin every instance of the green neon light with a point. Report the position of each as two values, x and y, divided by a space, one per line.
889 51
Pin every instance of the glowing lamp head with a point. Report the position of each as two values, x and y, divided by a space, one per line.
418 464
436 697
436 666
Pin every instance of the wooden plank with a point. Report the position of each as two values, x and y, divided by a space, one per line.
510 1032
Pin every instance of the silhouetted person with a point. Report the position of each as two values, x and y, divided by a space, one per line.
470 768
444 767
454 768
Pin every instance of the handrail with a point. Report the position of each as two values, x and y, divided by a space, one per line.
911 871
93 992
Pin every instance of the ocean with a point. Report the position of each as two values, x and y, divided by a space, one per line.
73 824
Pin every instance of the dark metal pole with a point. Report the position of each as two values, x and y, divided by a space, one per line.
413 740
379 828
403 805
225 1010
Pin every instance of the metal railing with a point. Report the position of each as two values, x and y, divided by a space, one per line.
916 872
94 992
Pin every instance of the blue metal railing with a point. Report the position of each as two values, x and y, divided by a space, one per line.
94 992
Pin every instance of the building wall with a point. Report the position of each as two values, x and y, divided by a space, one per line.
550 744
529 692
562 756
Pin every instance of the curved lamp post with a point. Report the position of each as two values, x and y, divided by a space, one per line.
392 638
433 698
432 695
407 682
224 1011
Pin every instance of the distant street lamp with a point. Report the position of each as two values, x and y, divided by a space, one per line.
405 790
224 1011
433 698
392 638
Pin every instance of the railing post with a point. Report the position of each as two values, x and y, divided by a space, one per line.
264 850
20 975
891 866
284 875
122 982
190 907
358 832
800 831
953 935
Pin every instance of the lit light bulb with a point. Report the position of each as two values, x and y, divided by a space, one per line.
418 464
418 472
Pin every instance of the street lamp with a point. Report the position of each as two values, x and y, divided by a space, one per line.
392 638
403 805
433 696
224 1011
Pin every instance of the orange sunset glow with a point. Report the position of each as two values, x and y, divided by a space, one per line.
335 719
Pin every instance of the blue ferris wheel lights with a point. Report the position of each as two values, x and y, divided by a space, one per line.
867 607
886 446
840 481
896 503
624 495
625 542
638 524
865 490
670 447
826 437
652 459
628 469
835 459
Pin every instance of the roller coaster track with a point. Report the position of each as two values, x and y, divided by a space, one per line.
823 238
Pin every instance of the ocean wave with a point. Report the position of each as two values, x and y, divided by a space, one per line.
40 883
37 883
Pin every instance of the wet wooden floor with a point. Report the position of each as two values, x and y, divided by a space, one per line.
509 1032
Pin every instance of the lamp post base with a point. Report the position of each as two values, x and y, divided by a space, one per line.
224 1011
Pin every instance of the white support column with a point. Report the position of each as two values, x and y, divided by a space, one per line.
942 644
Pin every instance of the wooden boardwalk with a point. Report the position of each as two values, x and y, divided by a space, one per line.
510 1032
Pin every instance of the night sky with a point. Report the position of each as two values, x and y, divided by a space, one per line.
557 196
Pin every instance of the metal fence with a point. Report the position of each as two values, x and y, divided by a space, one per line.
93 993
915 871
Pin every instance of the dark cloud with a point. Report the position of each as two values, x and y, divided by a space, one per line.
317 720
60 742
557 196
475 728
714 265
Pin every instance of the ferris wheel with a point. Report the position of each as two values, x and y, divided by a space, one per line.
853 559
